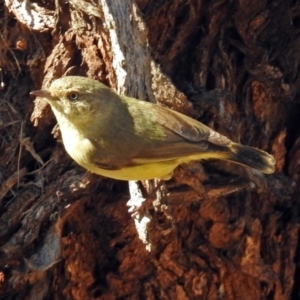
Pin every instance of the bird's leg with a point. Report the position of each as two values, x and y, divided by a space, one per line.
143 193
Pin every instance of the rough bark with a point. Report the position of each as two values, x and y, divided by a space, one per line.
223 232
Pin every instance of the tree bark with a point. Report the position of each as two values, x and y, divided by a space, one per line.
222 232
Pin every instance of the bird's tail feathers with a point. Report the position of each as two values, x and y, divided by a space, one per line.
251 157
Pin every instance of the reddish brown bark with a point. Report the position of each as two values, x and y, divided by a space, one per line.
65 233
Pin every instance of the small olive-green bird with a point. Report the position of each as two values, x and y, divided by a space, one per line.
129 139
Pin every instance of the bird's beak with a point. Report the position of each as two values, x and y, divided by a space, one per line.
44 94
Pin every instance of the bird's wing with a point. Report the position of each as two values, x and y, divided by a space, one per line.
185 127
184 136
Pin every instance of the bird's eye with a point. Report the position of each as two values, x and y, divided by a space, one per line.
73 96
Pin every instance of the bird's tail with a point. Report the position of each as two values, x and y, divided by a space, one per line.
251 157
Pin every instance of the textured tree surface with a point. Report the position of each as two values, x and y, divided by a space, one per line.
223 232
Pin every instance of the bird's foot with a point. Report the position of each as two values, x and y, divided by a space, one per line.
143 195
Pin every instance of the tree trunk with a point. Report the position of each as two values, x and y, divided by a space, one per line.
223 232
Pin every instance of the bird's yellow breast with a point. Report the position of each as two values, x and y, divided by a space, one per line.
161 170
81 149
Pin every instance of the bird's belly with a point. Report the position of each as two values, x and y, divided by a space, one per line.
81 150
161 170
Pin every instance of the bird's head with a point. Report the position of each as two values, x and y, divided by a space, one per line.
75 97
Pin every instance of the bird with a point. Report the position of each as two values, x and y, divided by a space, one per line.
129 139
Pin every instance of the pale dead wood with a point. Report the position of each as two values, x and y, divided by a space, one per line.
32 15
